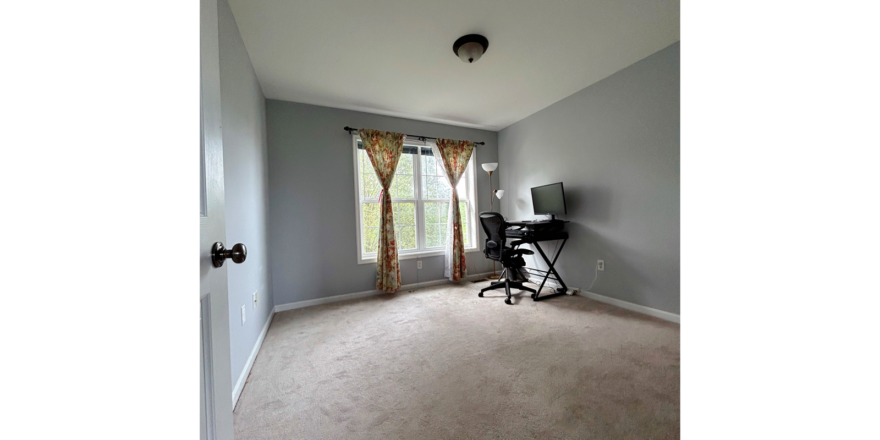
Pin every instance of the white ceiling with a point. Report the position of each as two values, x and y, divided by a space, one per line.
394 57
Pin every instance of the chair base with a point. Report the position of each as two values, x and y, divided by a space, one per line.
507 285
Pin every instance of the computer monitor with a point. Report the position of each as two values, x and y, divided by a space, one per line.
549 200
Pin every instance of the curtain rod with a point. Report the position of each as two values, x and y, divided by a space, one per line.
349 130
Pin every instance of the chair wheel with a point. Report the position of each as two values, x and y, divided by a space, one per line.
507 301
532 295
480 294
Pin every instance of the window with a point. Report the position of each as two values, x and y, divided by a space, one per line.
420 196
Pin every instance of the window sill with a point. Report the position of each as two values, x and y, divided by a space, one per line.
414 255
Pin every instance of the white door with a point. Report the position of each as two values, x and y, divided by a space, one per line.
216 386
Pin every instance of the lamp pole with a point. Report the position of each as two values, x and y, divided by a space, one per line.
490 167
491 194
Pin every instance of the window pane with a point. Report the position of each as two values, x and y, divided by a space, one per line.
370 215
462 209
371 240
405 165
436 235
402 187
429 165
369 183
432 212
404 214
436 214
436 187
406 238
370 227
444 212
462 187
405 225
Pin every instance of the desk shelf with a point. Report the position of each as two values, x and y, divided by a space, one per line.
550 273
541 274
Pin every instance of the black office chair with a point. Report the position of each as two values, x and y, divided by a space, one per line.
509 257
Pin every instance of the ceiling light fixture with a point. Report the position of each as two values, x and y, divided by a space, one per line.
470 47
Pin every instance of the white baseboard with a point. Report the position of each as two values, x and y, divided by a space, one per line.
326 300
242 378
667 316
671 317
347 296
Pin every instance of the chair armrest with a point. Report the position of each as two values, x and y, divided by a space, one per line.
522 252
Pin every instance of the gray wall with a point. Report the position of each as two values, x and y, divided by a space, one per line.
312 215
246 175
615 145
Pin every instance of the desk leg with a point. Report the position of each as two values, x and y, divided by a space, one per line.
559 291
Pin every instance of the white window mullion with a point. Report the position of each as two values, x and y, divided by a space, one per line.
421 239
472 189
358 193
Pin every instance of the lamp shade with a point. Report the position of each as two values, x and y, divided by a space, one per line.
499 193
489 167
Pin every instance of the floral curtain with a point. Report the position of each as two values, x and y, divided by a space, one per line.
455 155
384 149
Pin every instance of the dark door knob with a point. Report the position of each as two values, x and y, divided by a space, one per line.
219 254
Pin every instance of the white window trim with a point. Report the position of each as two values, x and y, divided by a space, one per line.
473 205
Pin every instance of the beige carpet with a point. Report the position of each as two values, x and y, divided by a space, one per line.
441 363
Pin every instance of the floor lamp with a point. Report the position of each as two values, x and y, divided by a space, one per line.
489 167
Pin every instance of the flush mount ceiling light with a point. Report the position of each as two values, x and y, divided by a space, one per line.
470 47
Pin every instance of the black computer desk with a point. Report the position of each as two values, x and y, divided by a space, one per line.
534 232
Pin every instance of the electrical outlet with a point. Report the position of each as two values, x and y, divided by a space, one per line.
243 316
601 265
419 265
255 299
